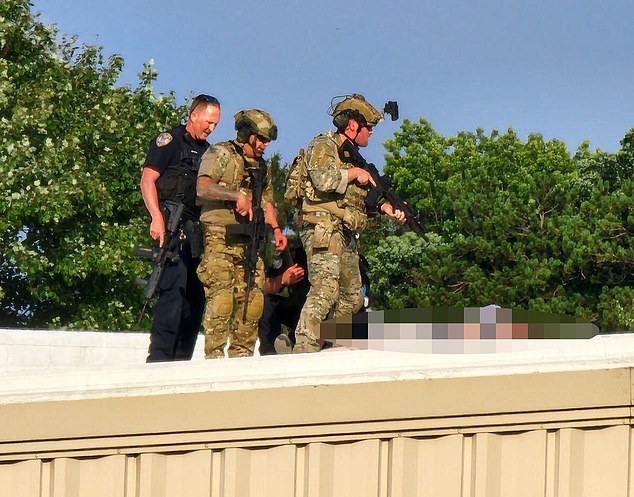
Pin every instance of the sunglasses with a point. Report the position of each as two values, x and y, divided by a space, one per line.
199 99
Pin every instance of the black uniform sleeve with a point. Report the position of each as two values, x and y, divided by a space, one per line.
160 151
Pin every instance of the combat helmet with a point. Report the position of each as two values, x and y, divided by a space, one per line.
255 122
354 107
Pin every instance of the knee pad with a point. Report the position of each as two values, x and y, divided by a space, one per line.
222 304
256 306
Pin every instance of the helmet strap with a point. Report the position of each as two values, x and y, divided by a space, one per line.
353 139
251 143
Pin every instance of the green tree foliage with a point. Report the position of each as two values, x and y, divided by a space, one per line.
284 210
278 173
71 146
519 224
613 170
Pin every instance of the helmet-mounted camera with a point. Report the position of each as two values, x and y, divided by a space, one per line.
391 108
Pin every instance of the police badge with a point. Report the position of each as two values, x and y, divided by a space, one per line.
163 139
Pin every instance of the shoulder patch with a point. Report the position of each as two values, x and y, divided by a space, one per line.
163 139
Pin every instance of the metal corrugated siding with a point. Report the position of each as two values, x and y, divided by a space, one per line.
535 434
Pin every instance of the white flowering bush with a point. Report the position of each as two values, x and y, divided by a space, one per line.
71 147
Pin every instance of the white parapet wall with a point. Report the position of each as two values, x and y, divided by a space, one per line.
81 414
23 349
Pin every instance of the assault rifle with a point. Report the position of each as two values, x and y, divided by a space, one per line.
253 231
173 212
348 152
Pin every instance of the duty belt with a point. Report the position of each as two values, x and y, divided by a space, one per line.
316 217
310 219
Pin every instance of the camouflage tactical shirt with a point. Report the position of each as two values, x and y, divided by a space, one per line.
328 180
225 163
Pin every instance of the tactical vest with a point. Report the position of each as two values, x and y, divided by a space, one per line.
296 180
348 208
234 177
178 181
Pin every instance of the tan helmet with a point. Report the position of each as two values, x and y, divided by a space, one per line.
255 122
354 107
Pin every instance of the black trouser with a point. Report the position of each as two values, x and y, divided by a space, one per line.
178 311
278 311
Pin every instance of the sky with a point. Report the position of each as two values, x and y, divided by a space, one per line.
562 68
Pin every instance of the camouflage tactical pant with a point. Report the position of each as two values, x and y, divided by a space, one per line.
222 273
335 279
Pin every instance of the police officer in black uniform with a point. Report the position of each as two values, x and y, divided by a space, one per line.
169 173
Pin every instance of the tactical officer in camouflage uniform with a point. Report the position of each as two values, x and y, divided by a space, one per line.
333 213
169 174
224 193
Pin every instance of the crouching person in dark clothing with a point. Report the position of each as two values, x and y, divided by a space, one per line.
285 291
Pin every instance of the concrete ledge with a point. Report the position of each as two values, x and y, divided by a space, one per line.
23 349
539 416
71 365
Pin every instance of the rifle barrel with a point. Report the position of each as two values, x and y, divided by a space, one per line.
348 150
256 231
